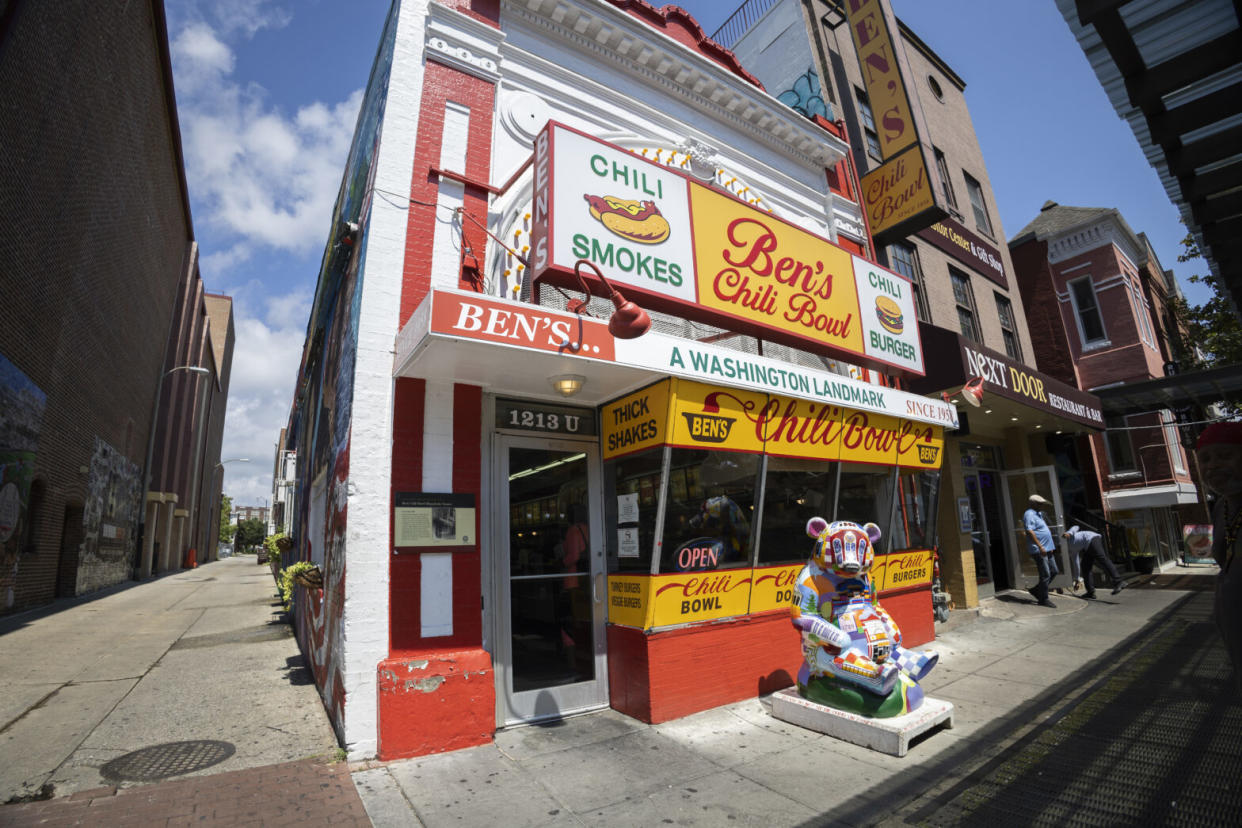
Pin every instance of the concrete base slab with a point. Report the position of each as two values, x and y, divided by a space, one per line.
891 736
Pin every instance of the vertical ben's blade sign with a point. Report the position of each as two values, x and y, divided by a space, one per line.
676 246
899 196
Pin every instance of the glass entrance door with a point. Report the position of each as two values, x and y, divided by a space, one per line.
987 533
1020 484
550 578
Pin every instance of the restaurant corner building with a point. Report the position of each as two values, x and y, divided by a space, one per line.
526 507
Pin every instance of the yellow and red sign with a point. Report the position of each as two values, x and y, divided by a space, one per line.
919 445
678 246
886 90
682 597
635 422
774 587
696 415
756 267
900 570
898 191
651 601
704 416
629 600
899 196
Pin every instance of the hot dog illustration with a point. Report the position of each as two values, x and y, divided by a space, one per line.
636 221
889 314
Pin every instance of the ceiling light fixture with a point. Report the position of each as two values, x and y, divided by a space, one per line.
567 384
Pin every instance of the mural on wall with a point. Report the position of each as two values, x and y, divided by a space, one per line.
322 417
854 660
21 418
109 518
804 96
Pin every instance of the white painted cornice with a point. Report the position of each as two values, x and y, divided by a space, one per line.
1085 237
611 38
460 41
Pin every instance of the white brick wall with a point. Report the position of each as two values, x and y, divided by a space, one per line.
365 641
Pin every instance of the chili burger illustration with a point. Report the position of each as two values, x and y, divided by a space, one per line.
889 314
636 221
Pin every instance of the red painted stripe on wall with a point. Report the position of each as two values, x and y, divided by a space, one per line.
407 476
440 85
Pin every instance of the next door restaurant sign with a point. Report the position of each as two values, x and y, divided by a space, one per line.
678 246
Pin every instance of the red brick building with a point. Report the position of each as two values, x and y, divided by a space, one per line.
101 299
1098 310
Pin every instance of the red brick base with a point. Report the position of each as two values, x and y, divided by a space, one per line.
663 675
658 676
435 703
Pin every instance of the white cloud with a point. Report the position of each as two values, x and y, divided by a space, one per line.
265 363
201 57
258 174
263 179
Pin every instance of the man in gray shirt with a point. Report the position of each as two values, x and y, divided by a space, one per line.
1089 547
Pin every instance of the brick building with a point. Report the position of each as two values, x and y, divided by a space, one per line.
259 513
911 131
101 291
534 508
1099 319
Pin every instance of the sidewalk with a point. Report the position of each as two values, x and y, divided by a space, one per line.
192 675
1111 711
1097 712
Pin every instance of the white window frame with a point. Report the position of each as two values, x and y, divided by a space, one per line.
980 209
1113 471
1173 439
866 115
970 305
1003 304
1142 313
1091 345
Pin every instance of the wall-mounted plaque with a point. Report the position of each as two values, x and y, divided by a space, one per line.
423 521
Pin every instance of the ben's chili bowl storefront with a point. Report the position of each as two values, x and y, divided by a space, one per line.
639 539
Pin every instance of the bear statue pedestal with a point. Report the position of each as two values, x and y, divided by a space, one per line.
891 736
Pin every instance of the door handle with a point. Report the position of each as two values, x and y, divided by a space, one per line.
595 587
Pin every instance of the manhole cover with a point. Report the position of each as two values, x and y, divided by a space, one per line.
149 764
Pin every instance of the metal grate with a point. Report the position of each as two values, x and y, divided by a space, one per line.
1154 742
156 762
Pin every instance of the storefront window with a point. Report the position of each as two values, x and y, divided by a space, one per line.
795 491
710 510
630 504
865 497
915 527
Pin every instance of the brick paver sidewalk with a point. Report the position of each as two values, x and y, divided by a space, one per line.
307 792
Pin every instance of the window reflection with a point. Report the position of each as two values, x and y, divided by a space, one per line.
797 490
710 510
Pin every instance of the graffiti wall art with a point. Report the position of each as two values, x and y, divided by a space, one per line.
109 519
21 418
323 421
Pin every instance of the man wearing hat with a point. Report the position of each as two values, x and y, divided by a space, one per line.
1220 460
1039 544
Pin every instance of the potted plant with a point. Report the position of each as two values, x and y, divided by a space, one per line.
1144 563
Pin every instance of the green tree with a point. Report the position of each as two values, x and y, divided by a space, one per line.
1214 326
250 533
226 528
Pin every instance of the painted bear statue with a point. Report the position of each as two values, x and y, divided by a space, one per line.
853 658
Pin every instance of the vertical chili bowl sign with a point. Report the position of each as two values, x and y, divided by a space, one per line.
680 247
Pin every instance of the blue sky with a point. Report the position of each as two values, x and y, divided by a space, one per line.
268 92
